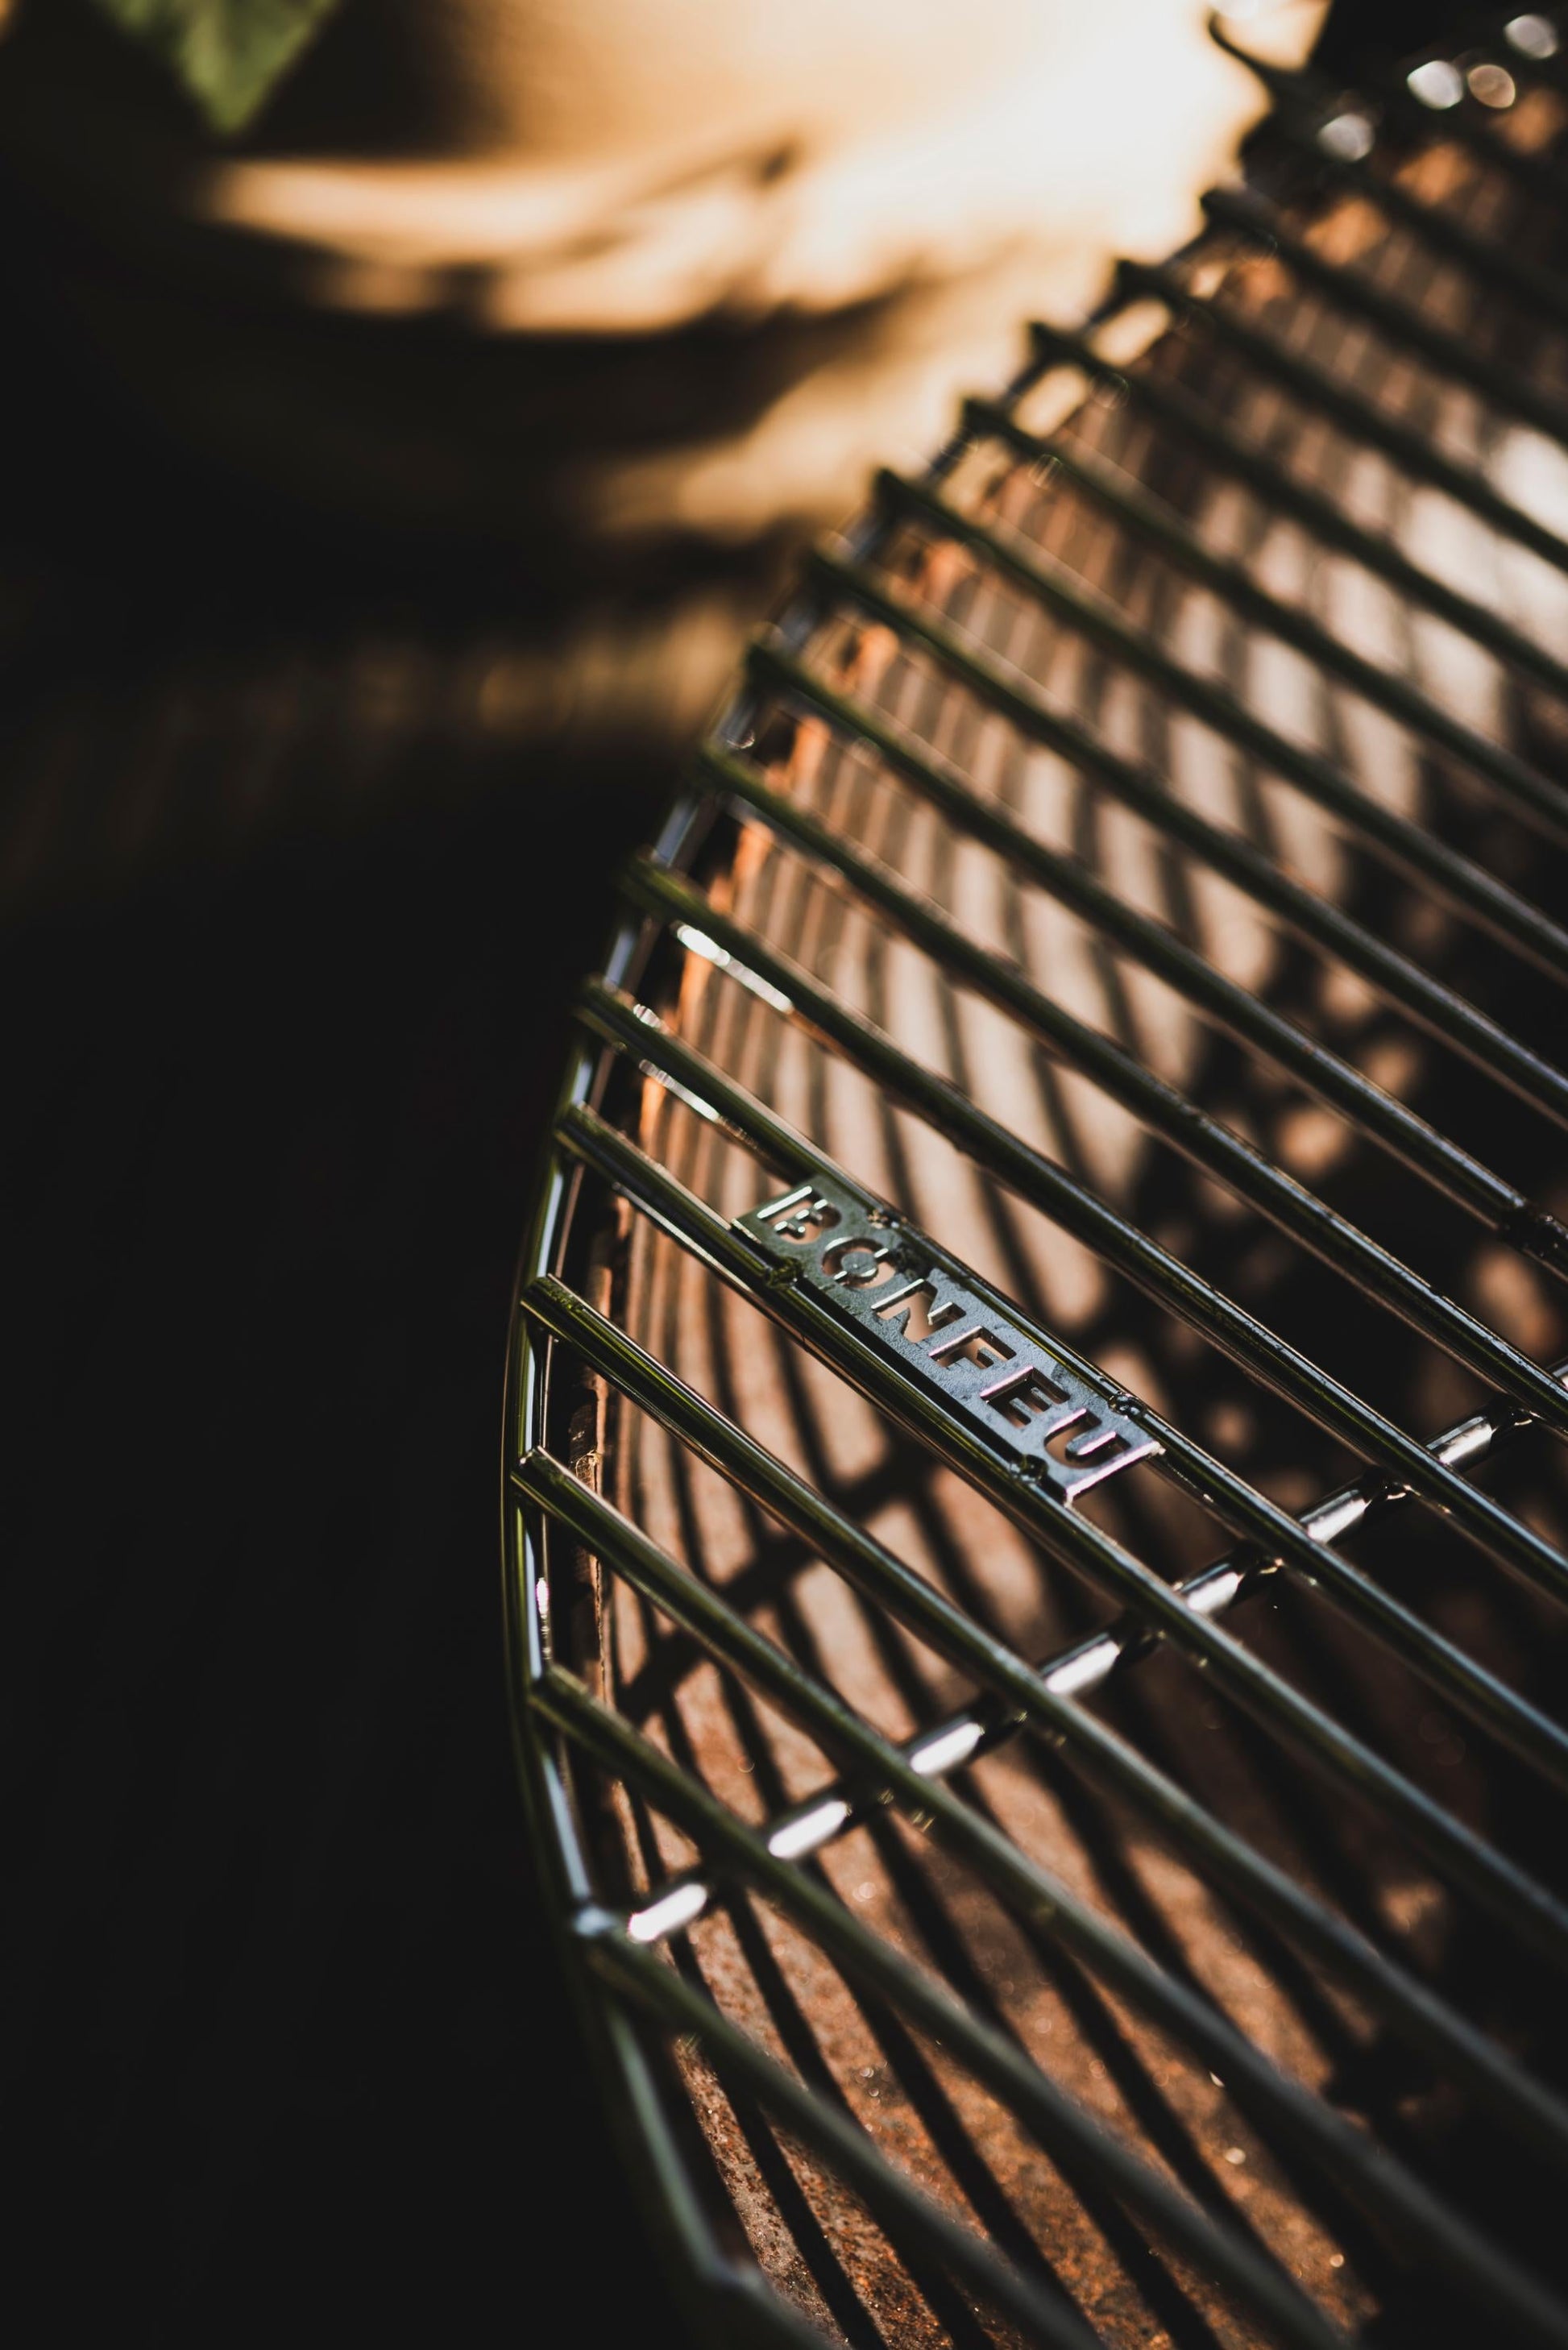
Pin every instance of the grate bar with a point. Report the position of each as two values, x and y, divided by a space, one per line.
1537 287
1237 1009
1283 1712
1061 2127
1303 87
1220 443
1024 1696
1251 214
1354 414
1301 121
1537 177
642 1977
1338 2150
1122 1244
1163 1109
1222 1921
1244 1510
1456 879
1535 795
1399 981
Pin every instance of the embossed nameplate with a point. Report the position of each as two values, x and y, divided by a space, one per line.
1000 1379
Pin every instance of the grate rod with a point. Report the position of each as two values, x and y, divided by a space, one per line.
1533 794
1251 214
1059 2125
1434 1007
1537 288
1304 87
1456 879
906 2213
1300 122
1236 1010
1221 444
1164 1110
1132 1253
1024 1696
1281 1711
1276 1535
1538 177
1354 414
1338 2150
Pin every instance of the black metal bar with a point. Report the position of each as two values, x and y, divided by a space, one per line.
1301 103
1492 1879
1456 879
1236 1010
1444 2237
1436 1008
1533 795
1223 447
1353 413
1059 2124
1303 87
1120 1243
641 1976
1488 260
1250 213
1276 1535
1042 1699
1538 177
1163 1109
1023 1696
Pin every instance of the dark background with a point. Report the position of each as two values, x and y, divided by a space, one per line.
292 927
292 935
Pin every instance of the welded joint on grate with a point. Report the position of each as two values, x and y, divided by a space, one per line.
1238 1010
1300 2116
1307 915
1458 1854
962 1737
614 1932
1115 1239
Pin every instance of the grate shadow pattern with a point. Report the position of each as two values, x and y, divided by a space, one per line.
1036 1533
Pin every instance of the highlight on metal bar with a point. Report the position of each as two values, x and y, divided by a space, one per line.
1351 411
1432 1004
909 2216
1179 412
1238 1506
1106 1230
1162 1108
1444 2235
1046 1699
1514 1897
1532 793
1239 1012
1436 90
1253 216
891 717
1513 921
1059 2127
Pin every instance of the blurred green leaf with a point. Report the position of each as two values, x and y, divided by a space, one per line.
228 54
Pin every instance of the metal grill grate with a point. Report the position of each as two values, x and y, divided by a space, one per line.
1054 1773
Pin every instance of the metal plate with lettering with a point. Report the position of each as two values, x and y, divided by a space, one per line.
996 1375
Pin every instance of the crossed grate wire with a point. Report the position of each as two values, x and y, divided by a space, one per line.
1077 1085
